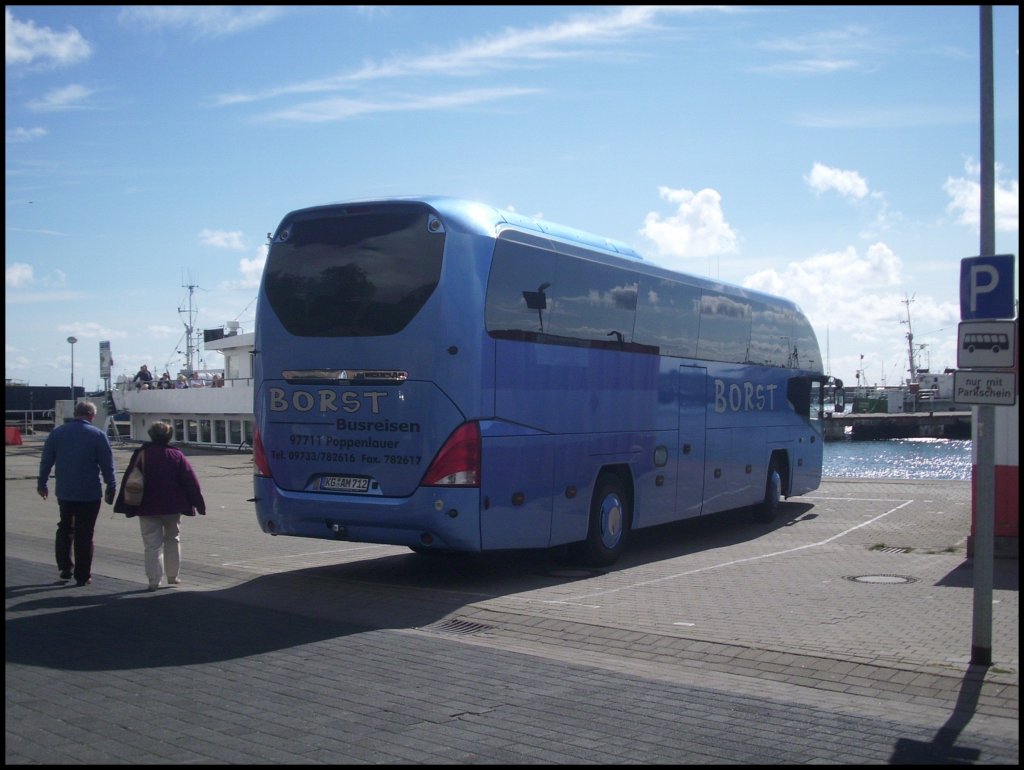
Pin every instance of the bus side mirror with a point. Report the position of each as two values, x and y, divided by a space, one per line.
537 300
839 397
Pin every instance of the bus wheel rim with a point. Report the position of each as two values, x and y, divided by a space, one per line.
611 521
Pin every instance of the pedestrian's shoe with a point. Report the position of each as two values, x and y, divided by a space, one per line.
173 581
85 582
65 574
153 586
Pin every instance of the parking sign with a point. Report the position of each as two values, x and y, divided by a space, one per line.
986 287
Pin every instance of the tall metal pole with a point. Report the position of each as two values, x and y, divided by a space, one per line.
984 487
72 340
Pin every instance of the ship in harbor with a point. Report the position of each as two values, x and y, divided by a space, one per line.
928 392
210 407
215 411
920 407
922 391
217 416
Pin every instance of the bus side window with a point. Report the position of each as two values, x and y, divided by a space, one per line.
593 301
724 327
520 274
668 316
769 335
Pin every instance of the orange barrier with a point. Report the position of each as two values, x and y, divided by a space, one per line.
12 437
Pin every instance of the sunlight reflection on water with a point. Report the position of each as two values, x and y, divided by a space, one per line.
899 458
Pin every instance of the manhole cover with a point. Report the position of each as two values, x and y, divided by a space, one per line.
884 579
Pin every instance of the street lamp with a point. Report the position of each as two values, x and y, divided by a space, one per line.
72 340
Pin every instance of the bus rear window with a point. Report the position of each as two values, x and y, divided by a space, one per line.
367 272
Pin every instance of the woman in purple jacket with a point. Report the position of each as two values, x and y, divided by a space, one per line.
170 490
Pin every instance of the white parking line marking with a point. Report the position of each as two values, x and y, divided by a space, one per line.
741 561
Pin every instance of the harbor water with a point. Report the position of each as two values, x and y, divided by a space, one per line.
898 458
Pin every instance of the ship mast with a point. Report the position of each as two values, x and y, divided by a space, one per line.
910 341
190 346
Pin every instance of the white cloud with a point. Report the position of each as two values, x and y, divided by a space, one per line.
858 300
583 35
91 330
326 110
837 277
696 229
849 184
67 98
202 21
57 278
17 363
162 332
810 67
222 239
16 135
853 37
49 286
823 53
28 44
252 269
18 274
965 200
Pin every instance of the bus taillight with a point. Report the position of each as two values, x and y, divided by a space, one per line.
259 455
458 462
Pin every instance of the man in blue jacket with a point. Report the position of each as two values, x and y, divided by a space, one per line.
82 454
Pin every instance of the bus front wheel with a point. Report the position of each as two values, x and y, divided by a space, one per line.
610 519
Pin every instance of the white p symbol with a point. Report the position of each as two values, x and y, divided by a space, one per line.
982 288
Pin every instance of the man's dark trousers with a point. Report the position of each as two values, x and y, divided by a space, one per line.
77 523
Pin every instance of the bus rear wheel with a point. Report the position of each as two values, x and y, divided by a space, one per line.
765 511
610 520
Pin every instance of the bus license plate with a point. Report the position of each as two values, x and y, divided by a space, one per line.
345 483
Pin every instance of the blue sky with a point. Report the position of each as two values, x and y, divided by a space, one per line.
827 154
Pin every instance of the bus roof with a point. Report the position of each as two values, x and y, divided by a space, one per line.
485 219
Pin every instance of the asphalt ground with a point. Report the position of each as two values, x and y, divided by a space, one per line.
839 633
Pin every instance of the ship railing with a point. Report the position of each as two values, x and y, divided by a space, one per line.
28 421
229 382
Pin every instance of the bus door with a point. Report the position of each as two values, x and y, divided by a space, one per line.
692 435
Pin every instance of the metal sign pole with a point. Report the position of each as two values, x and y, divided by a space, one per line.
985 483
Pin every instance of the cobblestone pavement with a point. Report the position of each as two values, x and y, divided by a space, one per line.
840 633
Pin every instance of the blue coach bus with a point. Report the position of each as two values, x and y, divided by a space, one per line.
447 376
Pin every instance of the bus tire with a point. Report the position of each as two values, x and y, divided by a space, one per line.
610 519
769 506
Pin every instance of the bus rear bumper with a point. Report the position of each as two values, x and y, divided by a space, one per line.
432 518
